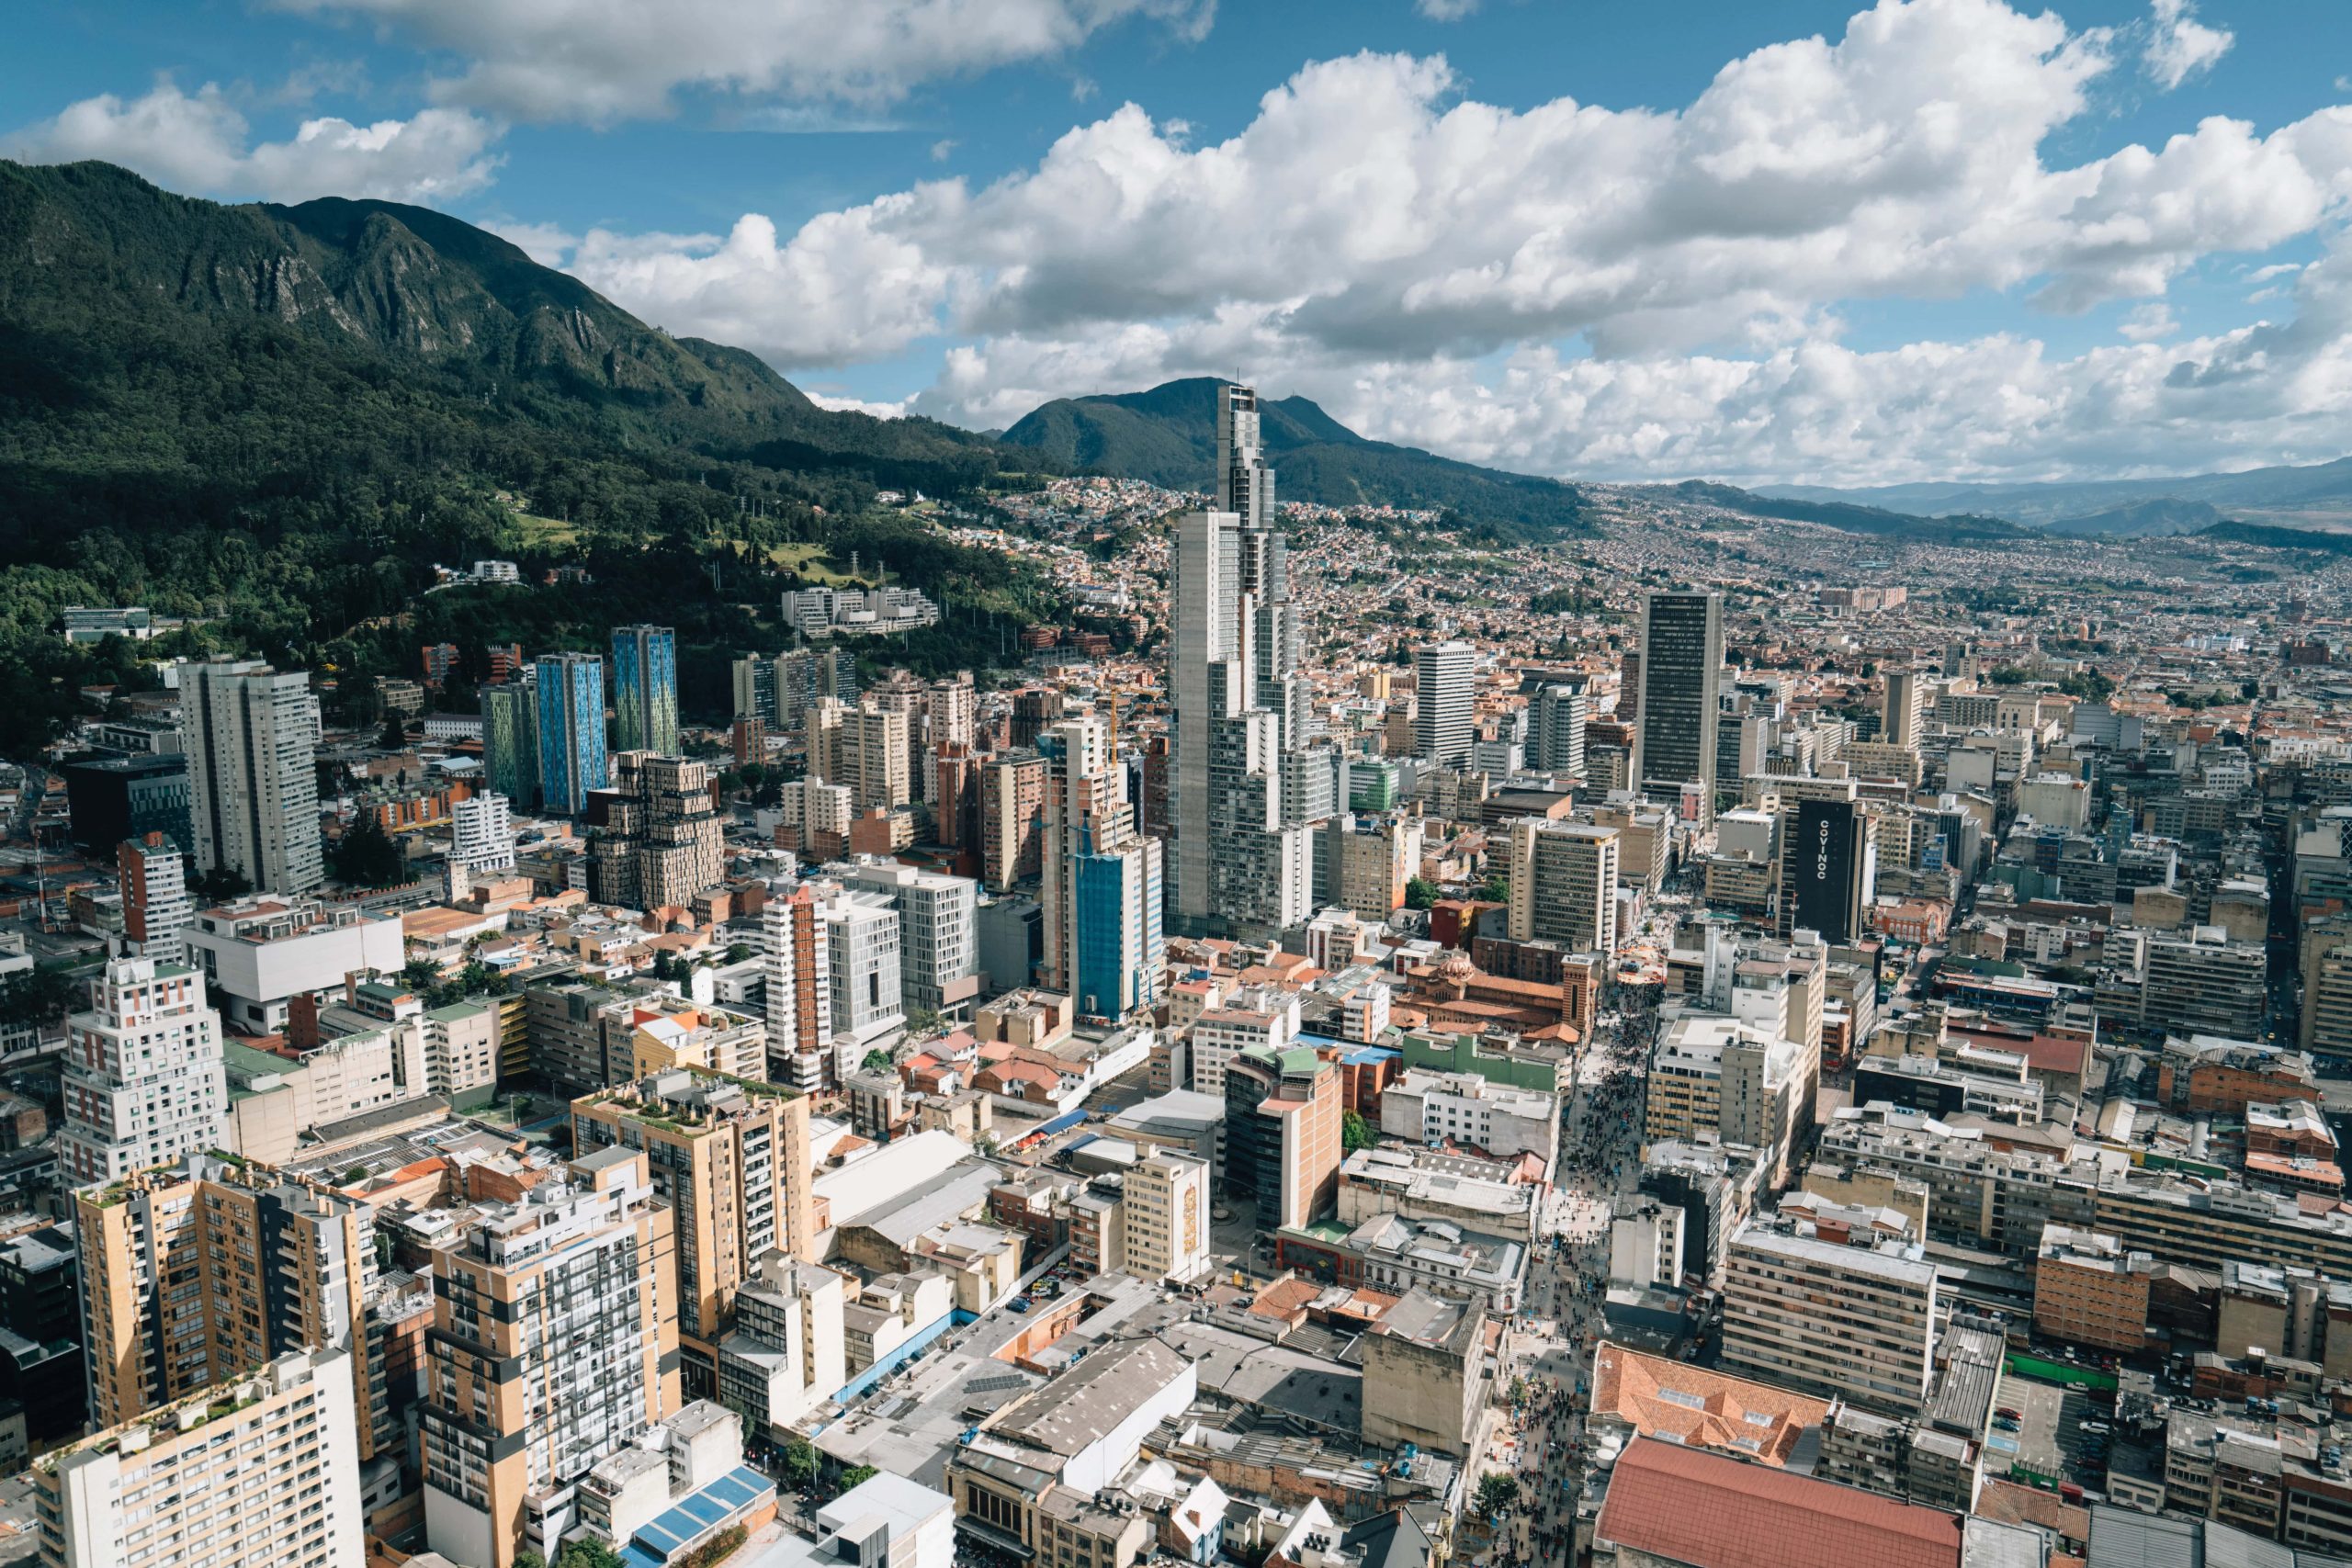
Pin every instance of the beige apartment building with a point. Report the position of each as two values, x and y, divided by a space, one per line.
554 1343
175 1262
262 1474
731 1159
1829 1318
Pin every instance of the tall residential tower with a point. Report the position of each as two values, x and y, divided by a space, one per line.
1241 848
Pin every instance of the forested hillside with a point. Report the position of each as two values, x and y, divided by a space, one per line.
280 417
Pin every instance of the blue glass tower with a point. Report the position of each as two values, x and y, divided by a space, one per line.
571 729
645 689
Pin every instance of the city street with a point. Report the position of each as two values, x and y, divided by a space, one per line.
1539 1437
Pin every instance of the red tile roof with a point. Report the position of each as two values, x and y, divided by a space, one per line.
1701 1509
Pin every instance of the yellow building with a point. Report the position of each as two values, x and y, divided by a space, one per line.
196 1272
554 1344
731 1159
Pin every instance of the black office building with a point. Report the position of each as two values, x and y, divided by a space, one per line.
1681 690
112 797
1825 863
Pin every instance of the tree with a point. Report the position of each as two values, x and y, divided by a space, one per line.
395 738
738 951
366 856
1420 893
529 1558
800 1460
222 883
1355 1133
587 1554
922 1022
40 998
1496 1492
421 973
877 1060
1495 889
856 1475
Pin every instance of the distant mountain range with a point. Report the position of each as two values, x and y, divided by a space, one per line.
1167 436
2319 496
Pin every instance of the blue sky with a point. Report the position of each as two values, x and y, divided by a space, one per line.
1930 239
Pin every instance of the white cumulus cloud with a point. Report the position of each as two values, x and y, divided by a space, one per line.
2180 46
605 60
199 141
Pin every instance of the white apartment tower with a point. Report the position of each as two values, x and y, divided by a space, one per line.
1556 717
1441 710
144 1079
1242 860
482 836
253 797
155 908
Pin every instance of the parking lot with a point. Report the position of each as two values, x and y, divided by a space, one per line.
2050 1442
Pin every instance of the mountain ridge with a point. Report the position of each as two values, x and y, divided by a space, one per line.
1167 436
2283 492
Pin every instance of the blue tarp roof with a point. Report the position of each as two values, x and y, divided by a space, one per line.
1063 1122
694 1516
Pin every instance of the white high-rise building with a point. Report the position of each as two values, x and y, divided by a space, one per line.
252 735
144 1079
1242 860
862 941
939 966
1442 712
798 982
1557 716
481 834
155 909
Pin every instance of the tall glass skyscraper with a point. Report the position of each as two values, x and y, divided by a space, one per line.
1682 673
645 689
571 729
510 741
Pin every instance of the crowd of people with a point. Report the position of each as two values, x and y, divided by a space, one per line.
1599 1136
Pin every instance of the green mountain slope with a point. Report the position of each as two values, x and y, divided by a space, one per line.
1167 436
279 418
1852 519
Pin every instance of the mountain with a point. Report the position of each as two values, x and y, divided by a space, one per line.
2317 494
276 419
1851 519
1167 436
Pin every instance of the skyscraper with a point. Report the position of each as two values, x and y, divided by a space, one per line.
554 1344
510 739
1903 708
645 689
1441 728
1682 665
1241 857
196 1270
253 733
795 963
1102 891
571 729
1564 883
